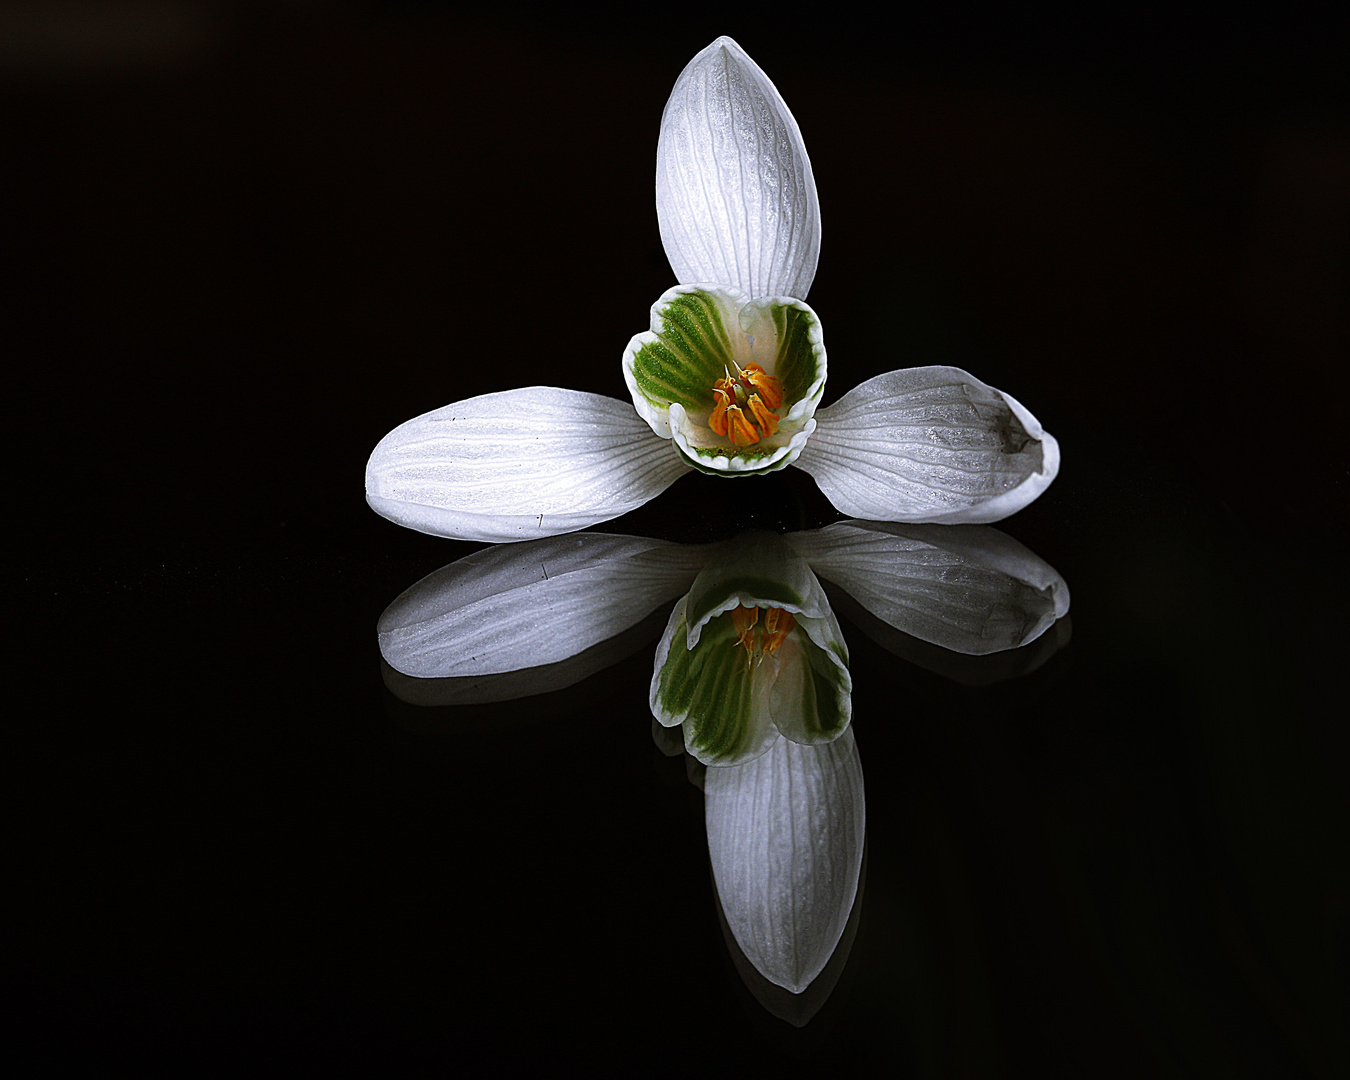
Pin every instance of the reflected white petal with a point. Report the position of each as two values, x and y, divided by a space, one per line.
504 609
929 444
519 465
735 197
785 836
968 588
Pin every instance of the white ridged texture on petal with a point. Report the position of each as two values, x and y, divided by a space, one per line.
929 444
968 588
735 197
518 465
504 609
785 836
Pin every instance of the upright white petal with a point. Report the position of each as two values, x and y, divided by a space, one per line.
735 196
518 465
785 836
929 444
509 608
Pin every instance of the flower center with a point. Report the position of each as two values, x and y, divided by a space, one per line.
744 404
760 639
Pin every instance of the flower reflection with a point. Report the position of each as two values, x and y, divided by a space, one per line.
540 612
785 838
752 667
750 653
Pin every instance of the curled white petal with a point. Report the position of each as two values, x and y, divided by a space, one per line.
510 608
755 569
930 444
518 465
735 196
785 837
721 725
968 588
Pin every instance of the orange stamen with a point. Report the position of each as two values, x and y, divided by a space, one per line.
759 643
769 388
750 388
777 625
740 429
767 421
718 420
744 619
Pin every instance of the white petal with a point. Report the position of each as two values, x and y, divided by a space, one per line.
929 444
968 588
785 836
504 609
519 465
524 682
811 700
734 192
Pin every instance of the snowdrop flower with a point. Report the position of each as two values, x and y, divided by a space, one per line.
729 376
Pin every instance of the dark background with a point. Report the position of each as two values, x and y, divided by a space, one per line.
244 241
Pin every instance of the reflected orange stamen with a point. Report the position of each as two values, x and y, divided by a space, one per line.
777 625
744 619
758 644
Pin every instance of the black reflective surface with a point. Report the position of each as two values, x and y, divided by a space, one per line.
247 255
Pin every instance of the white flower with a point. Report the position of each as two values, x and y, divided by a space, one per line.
728 378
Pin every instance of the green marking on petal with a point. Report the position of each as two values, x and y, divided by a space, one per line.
824 717
743 453
796 363
722 713
674 688
709 688
692 351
